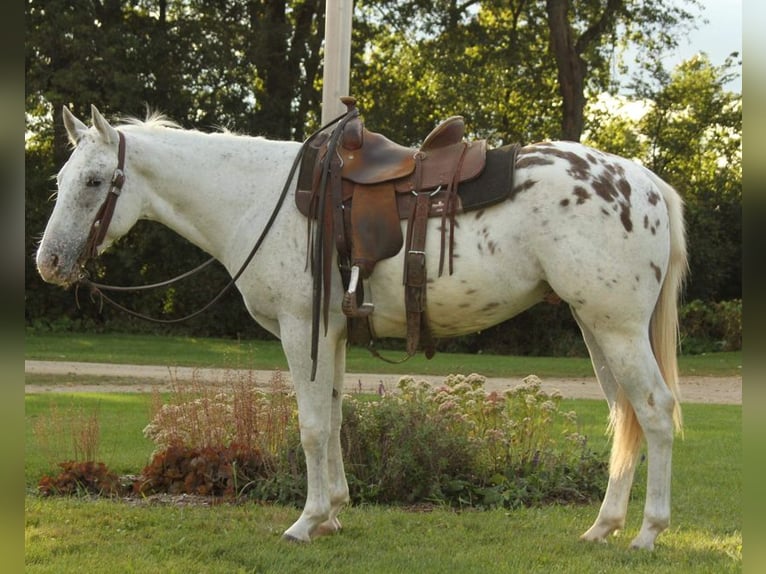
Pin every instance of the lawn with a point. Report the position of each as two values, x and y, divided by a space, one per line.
77 535
201 352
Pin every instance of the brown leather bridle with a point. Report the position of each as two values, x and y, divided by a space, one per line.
104 216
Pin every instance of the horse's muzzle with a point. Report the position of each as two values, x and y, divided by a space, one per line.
55 269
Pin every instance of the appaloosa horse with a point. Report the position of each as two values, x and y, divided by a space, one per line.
602 233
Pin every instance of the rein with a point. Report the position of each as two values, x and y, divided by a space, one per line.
104 217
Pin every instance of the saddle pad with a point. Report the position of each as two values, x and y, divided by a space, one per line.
495 182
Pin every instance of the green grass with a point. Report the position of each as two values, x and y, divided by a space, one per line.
80 535
122 418
201 352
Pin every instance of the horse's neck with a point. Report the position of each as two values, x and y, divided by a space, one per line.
210 188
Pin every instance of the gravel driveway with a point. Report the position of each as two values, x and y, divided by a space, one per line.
143 378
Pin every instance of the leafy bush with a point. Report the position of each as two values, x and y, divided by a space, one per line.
226 440
708 327
224 471
236 412
78 478
452 444
457 444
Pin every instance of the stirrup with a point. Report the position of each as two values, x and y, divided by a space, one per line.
349 305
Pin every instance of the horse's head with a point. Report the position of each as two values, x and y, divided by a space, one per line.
71 236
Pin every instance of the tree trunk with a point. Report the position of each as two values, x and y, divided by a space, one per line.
571 70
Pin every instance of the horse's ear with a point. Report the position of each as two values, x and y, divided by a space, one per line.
108 133
74 127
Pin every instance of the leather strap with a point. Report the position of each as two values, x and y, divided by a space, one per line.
104 215
415 279
450 208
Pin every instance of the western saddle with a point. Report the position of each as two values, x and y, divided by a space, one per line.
355 186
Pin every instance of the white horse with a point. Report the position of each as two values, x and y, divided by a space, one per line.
602 233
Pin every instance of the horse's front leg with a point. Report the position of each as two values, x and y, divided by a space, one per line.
315 408
339 496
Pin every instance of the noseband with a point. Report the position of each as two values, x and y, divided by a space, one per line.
104 216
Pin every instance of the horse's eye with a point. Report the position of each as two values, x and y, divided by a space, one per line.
93 182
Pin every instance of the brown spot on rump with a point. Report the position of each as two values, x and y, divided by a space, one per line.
625 217
490 306
470 292
479 213
646 222
517 189
579 168
654 197
603 185
582 194
657 271
564 202
591 158
624 188
604 211
650 400
492 247
531 160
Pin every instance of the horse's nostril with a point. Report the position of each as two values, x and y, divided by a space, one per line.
54 260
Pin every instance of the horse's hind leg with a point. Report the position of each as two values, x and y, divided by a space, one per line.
645 404
614 508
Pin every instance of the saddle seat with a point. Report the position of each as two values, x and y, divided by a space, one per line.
370 158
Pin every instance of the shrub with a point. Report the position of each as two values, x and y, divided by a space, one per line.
223 471
452 444
236 412
226 440
709 327
459 445
79 478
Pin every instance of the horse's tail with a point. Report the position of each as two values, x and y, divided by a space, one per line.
663 335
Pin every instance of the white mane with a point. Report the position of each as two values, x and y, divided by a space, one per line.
154 119
157 119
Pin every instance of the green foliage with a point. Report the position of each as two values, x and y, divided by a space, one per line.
710 327
255 67
451 444
458 445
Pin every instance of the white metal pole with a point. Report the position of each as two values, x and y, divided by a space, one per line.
337 57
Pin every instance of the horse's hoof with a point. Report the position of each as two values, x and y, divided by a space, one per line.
293 540
327 528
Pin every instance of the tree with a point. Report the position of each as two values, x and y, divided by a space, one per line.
695 131
255 67
691 136
248 66
533 58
